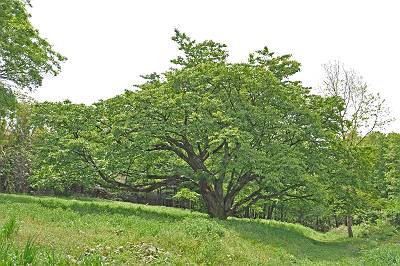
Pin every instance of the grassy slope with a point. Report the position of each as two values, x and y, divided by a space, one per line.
124 233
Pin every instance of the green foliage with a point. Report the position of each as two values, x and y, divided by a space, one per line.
281 66
15 148
25 56
57 163
391 159
25 59
187 194
7 101
235 133
351 174
379 230
198 53
393 212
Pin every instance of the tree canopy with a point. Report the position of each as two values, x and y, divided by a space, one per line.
25 57
236 133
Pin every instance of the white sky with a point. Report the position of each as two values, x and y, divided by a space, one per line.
109 44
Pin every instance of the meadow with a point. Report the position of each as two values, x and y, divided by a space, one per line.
55 231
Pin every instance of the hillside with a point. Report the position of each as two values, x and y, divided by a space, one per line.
94 232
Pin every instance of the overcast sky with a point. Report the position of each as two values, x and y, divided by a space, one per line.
109 44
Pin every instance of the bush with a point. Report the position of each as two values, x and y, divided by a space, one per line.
393 213
381 230
186 195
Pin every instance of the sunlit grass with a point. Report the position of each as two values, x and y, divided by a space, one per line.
53 231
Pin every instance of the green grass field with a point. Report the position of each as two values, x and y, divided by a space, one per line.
53 231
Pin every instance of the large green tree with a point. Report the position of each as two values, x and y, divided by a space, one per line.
236 133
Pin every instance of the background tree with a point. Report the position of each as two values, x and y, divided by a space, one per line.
25 58
15 150
384 154
392 158
362 113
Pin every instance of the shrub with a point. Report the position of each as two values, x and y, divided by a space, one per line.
393 213
381 230
186 195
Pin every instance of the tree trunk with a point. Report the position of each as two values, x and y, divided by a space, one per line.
337 224
349 221
300 217
270 211
282 214
2 184
214 200
216 208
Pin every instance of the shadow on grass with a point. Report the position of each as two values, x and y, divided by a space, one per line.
93 206
293 240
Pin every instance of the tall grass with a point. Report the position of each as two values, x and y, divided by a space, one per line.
30 253
12 254
9 229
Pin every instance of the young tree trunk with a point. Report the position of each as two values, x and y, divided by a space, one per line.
270 211
2 184
300 217
337 224
282 214
349 222
247 212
